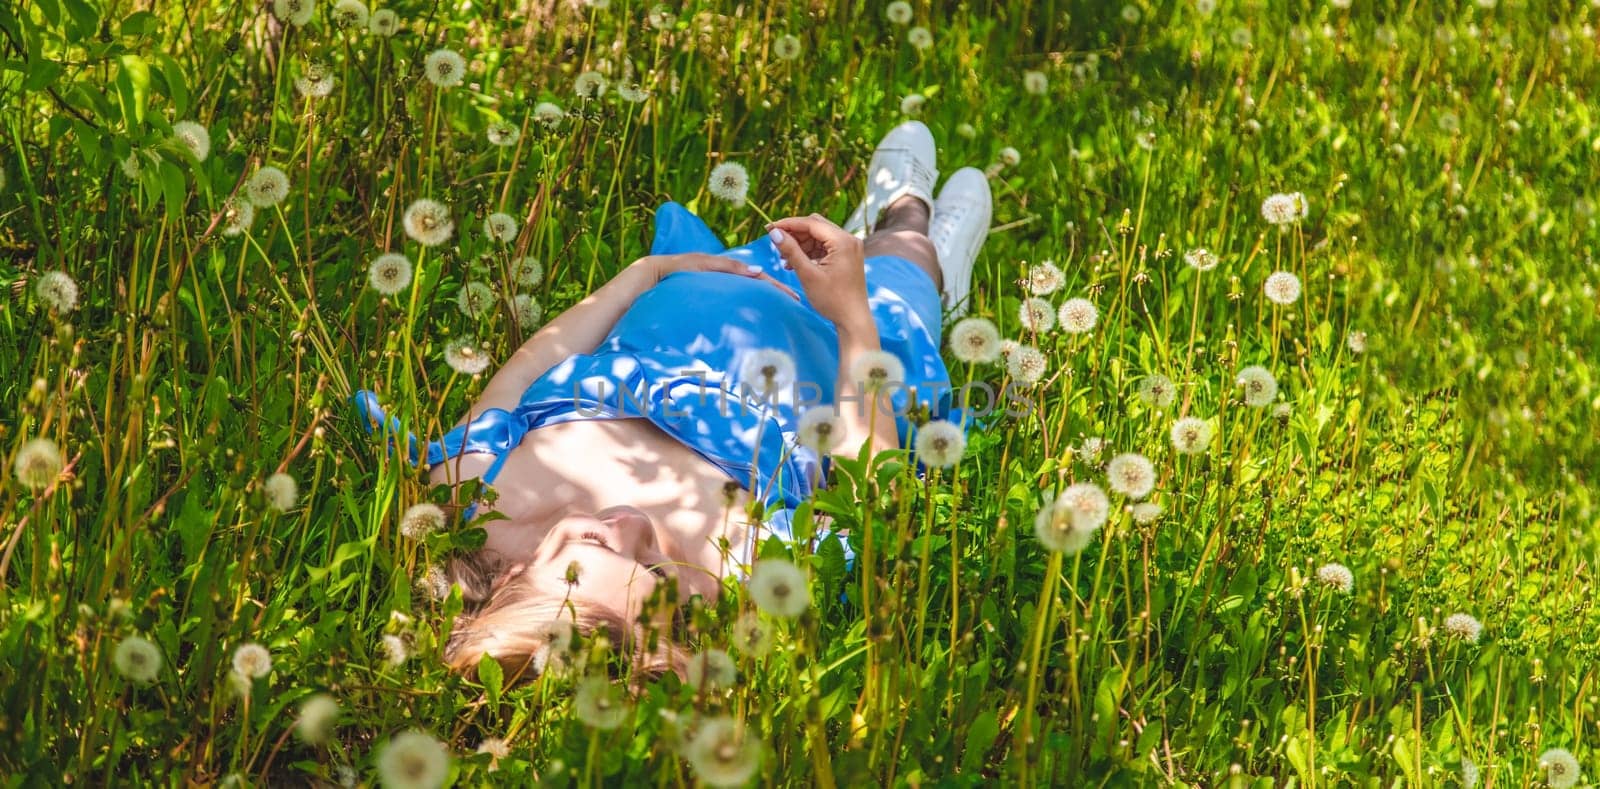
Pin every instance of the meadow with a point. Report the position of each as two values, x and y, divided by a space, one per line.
1338 261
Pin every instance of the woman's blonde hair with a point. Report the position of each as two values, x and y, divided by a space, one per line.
506 618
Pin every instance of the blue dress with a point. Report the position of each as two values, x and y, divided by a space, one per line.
677 356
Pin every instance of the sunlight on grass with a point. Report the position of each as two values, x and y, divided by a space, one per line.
1293 307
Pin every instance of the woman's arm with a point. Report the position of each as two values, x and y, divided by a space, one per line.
583 325
831 265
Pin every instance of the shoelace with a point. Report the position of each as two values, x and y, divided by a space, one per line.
919 169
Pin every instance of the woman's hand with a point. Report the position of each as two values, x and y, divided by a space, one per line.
832 268
660 266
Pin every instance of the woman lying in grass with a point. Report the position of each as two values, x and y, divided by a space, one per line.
626 439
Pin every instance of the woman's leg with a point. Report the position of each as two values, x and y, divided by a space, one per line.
902 231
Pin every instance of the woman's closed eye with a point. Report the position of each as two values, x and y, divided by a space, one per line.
658 570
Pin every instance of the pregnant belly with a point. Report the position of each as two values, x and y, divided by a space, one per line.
587 465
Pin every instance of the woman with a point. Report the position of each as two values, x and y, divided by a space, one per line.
626 439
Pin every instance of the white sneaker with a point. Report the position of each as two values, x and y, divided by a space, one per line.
904 164
960 224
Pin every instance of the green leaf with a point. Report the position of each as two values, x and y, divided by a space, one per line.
830 561
492 677
174 189
133 89
40 74
177 85
469 539
85 20
141 23
981 734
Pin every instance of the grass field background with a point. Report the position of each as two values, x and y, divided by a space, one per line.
1435 431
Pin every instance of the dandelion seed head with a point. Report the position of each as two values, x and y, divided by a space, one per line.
1037 315
293 12
729 181
528 272
316 81
267 187
876 370
1356 341
548 113
421 520
1191 436
1067 523
1145 512
779 588
1026 364
751 636
38 464
1131 13
502 134
787 47
711 670
975 340
1158 391
1282 287
384 23
589 85
1260 387
1078 316
350 14
134 164
940 443
465 357
431 582
389 273
1045 278
1560 768
475 300
318 715
898 12
723 753
395 651
445 68
767 370
237 216
1337 577
599 704
1035 82
1201 259
660 17
966 131
413 760
252 660
1463 626
1282 412
1131 474
1284 209
428 222
193 137
57 290
819 429
1469 773
920 38
501 227
137 659
527 310
281 491
1089 451
1010 157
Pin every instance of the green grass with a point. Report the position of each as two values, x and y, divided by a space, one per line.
1447 155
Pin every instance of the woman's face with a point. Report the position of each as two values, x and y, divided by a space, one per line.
618 562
